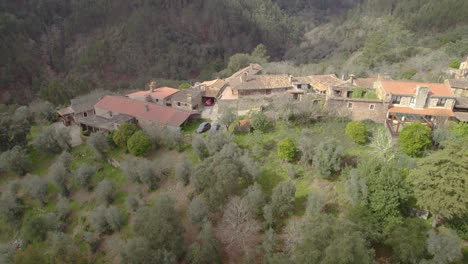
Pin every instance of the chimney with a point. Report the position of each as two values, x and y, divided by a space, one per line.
421 96
290 79
243 77
351 78
146 108
189 98
152 86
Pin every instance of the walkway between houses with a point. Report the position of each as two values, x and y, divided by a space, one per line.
210 113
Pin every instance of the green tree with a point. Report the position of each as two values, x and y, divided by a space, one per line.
326 239
15 160
139 144
207 249
183 171
327 157
161 225
255 198
315 202
184 86
414 139
99 142
38 188
282 200
105 192
357 131
461 129
198 210
286 149
408 241
441 179
53 140
228 116
84 175
444 246
123 133
455 64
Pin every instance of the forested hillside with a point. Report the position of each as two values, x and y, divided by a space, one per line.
59 49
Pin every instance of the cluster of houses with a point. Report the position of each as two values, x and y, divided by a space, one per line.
392 102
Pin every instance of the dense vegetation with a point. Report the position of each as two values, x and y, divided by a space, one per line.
59 49
330 191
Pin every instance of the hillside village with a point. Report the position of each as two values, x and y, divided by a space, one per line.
394 103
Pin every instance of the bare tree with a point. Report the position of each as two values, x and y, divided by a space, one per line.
238 228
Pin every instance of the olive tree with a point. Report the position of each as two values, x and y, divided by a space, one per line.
327 157
53 140
84 174
198 210
38 188
15 160
99 143
105 192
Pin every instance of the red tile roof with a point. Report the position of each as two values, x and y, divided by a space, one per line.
409 88
161 92
424 111
162 115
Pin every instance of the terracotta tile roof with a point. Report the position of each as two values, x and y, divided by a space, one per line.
161 92
459 83
252 69
424 111
319 82
409 88
255 82
162 115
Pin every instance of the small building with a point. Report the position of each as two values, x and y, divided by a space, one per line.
317 83
461 109
357 103
79 107
459 86
188 100
211 90
158 95
261 85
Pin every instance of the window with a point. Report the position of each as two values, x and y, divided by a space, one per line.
396 99
350 105
85 114
412 100
268 91
157 100
110 113
441 101
178 103
349 94
371 106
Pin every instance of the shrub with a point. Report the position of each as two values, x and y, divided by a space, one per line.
183 171
139 144
84 174
121 135
414 139
38 188
15 160
198 210
260 122
357 131
132 204
184 86
98 141
286 149
105 192
327 157
461 129
53 140
455 64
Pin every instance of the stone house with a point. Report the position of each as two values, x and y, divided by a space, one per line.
428 103
343 100
188 100
79 108
211 90
111 111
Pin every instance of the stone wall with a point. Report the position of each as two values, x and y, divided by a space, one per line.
360 108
